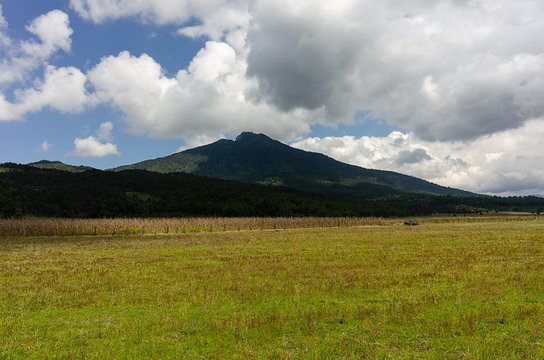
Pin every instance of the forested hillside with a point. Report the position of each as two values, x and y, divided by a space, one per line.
256 158
30 191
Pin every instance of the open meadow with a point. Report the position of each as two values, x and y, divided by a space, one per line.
446 289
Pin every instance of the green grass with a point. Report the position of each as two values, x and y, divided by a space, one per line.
435 291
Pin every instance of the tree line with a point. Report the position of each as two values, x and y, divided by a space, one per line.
28 191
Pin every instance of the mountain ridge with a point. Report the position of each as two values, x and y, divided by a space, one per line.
257 158
58 165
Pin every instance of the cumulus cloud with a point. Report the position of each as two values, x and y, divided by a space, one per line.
54 34
303 57
157 11
62 89
3 21
135 85
104 131
45 146
94 146
415 156
4 38
507 163
53 29
447 70
216 19
206 101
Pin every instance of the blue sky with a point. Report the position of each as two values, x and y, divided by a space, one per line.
22 140
451 92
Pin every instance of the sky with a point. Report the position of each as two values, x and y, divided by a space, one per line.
451 91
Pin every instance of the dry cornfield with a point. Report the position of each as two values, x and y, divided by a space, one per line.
145 226
140 226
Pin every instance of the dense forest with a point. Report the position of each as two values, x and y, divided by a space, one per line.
30 191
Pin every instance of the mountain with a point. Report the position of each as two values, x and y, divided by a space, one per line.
57 165
256 158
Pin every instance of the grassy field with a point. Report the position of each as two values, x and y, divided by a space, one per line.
463 290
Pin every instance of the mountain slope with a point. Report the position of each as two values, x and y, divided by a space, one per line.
30 191
256 158
57 165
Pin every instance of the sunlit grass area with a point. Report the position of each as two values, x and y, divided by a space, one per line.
438 290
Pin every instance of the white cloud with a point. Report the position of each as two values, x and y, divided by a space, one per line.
53 29
217 19
217 59
3 21
5 41
104 131
197 140
507 163
135 85
45 146
54 32
93 147
159 11
62 89
226 22
208 100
